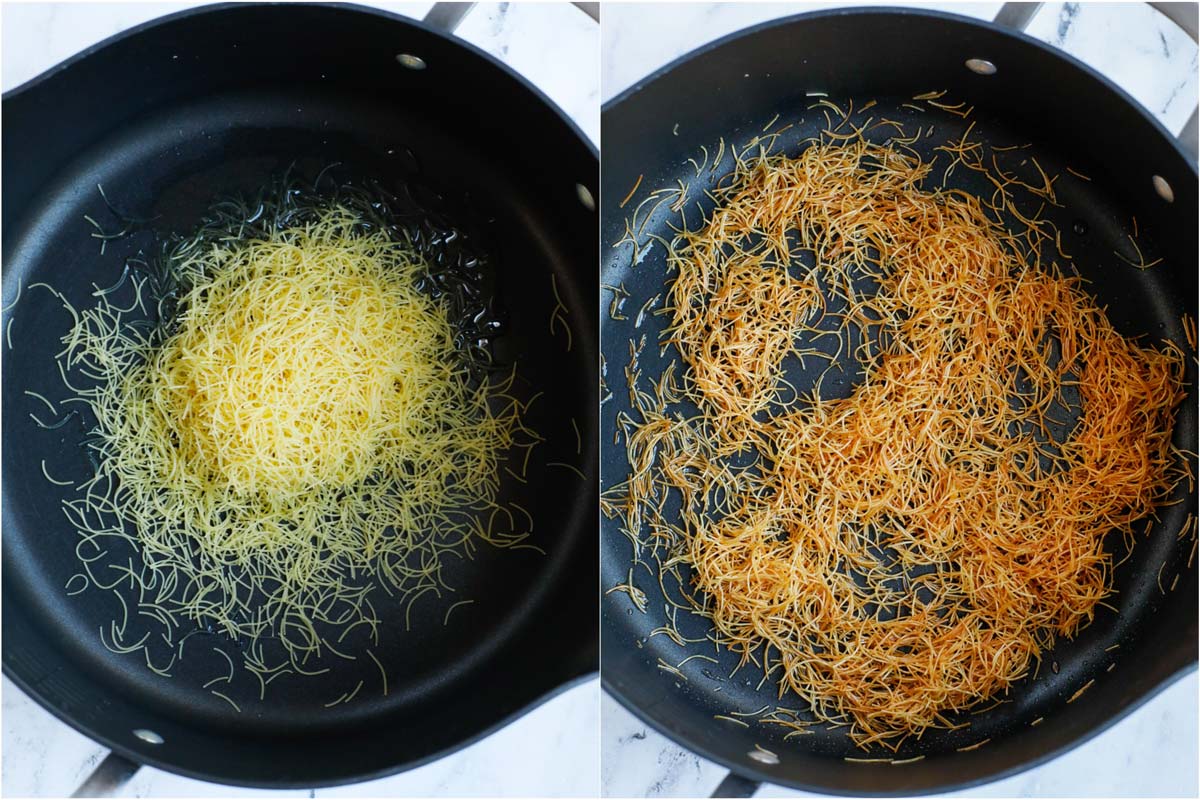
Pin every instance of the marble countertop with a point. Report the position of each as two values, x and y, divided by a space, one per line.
1153 751
552 751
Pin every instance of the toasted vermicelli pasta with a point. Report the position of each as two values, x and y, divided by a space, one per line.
908 547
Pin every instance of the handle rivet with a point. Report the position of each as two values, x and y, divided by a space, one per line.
1163 188
585 197
981 66
763 757
148 736
409 61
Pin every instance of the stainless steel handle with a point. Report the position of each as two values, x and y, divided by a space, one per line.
108 777
591 9
1017 15
734 785
447 16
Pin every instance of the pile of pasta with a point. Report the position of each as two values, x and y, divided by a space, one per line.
300 432
907 549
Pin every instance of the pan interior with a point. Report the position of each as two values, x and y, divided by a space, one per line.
171 165
1095 222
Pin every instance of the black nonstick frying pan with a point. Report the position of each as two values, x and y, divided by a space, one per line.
220 100
1022 92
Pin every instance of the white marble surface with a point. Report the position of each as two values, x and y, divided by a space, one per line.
1153 752
550 752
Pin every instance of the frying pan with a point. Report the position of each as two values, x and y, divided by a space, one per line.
218 101
1026 93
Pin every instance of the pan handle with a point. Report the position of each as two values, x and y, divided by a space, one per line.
446 16
591 9
108 777
1016 15
734 785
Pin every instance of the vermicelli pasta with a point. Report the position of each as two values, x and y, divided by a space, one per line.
908 547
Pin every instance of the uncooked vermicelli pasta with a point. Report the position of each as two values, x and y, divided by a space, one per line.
284 425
